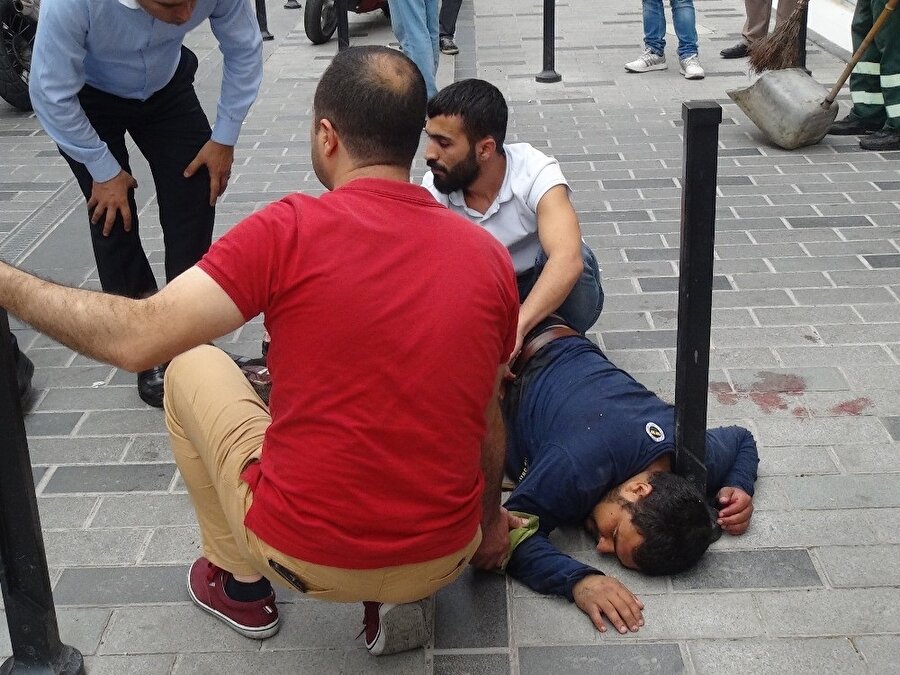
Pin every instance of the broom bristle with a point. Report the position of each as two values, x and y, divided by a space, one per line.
780 49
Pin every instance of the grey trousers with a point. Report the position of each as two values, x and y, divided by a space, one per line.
759 12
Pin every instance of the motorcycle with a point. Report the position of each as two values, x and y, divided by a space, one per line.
18 25
320 16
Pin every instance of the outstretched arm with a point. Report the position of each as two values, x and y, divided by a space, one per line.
131 334
542 567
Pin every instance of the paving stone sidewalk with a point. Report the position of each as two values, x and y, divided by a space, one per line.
805 352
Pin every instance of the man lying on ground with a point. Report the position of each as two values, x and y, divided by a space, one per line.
588 444
341 488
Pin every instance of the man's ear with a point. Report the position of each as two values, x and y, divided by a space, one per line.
485 148
639 489
327 136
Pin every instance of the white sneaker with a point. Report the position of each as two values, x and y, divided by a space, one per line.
647 62
690 68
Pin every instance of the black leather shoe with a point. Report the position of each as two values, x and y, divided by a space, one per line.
881 140
851 125
738 51
150 386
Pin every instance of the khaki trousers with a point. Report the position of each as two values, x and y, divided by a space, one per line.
759 12
216 424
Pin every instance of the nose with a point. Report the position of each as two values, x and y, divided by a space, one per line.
431 150
605 545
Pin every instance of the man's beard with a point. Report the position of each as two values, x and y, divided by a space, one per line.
459 177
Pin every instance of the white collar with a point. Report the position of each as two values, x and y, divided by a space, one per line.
130 4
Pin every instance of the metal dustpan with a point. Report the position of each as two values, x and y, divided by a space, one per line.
788 106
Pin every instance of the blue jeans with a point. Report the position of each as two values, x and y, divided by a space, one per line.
582 307
415 23
683 19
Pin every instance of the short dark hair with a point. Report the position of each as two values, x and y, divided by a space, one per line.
375 98
479 104
676 524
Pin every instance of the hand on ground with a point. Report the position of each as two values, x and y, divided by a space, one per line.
597 596
736 507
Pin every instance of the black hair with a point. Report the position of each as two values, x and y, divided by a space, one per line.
375 98
479 104
675 522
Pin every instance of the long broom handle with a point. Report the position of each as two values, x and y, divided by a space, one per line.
857 55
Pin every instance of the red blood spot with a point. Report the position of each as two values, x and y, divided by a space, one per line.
800 411
723 393
768 401
854 407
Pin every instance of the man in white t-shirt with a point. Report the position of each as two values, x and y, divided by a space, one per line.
519 195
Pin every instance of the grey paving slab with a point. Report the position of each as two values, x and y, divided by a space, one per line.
831 612
156 664
173 545
76 450
879 652
860 566
811 656
471 612
300 662
312 624
169 629
111 478
81 628
651 658
91 547
144 510
120 585
65 511
103 422
51 424
472 664
783 568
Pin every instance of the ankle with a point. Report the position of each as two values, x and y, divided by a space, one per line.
242 591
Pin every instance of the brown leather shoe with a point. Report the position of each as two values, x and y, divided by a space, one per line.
738 51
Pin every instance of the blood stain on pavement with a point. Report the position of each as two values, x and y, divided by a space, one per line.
852 408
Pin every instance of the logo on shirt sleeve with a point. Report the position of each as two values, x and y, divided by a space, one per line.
655 432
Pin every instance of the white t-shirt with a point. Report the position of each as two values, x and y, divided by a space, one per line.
512 217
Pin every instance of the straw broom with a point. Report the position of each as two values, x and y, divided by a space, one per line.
780 49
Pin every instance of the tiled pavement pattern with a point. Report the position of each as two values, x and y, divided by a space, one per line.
806 352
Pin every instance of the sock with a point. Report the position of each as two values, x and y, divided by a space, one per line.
247 592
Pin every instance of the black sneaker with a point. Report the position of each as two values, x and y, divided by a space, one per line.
448 46
883 140
738 51
851 125
393 628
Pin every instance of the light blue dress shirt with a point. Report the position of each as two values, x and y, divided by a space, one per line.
117 47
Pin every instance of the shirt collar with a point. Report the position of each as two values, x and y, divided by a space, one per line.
458 199
130 4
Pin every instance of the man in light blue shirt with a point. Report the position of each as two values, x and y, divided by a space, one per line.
104 67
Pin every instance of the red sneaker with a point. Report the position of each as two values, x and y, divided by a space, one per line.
393 628
206 586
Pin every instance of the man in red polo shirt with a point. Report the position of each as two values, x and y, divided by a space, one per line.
370 476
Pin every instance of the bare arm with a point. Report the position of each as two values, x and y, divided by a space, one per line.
560 236
130 334
495 520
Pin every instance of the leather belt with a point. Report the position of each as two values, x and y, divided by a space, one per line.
538 342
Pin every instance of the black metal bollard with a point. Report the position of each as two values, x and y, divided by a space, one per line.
30 614
549 74
343 25
263 20
698 231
